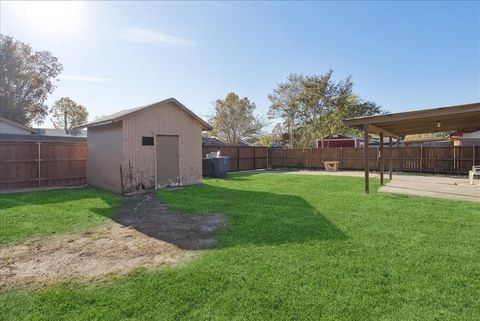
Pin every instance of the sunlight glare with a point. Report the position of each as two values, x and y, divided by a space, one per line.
52 17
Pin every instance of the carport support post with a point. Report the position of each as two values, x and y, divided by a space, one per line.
382 169
390 160
365 146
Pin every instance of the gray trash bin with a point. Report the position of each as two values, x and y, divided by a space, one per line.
220 166
207 167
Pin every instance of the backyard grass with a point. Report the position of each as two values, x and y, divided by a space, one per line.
37 214
297 248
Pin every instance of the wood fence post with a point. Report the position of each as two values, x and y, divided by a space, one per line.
398 158
390 159
269 161
238 158
310 158
284 164
473 156
455 157
341 158
38 162
459 159
254 158
421 159
322 159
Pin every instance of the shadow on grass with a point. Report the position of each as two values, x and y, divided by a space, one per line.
253 217
146 214
256 218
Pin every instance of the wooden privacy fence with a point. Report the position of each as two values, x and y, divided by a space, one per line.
39 164
242 157
441 160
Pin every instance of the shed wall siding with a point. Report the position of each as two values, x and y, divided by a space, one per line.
104 156
139 161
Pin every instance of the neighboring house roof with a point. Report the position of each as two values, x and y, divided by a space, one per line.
11 122
41 138
428 142
425 140
127 112
76 132
462 134
212 141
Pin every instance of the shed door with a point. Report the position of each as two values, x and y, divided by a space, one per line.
167 161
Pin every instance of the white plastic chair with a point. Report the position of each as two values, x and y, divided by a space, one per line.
475 171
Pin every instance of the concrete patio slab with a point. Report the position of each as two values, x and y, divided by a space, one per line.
438 186
456 188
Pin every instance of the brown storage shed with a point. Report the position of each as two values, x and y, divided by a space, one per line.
147 147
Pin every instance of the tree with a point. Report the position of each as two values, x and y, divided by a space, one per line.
264 140
314 106
278 133
234 120
68 114
286 103
26 80
276 138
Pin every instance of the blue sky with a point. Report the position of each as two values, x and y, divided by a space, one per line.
116 55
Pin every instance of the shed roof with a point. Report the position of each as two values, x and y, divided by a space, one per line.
460 117
127 112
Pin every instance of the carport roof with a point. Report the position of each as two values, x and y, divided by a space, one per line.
124 113
460 117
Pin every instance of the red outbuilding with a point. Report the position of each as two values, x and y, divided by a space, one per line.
339 140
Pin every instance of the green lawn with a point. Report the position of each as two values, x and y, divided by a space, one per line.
297 248
37 214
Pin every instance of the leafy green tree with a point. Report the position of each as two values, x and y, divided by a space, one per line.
234 121
276 138
68 114
314 106
264 140
26 80
286 103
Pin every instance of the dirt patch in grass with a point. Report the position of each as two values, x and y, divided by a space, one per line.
145 234
145 213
